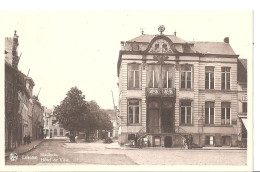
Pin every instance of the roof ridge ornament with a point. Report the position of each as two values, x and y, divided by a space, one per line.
161 29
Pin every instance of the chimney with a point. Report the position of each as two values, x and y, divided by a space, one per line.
226 40
174 33
15 58
122 45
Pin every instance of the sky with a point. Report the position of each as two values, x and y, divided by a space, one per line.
64 49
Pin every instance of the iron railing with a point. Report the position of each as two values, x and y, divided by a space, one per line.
160 92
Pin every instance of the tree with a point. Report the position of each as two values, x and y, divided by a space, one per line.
75 114
72 111
96 119
105 121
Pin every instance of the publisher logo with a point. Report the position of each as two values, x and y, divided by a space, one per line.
13 156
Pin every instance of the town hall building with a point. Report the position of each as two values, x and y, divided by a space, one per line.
169 88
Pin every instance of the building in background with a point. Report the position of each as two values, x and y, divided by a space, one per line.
18 98
242 101
112 115
26 104
13 85
170 88
37 118
52 128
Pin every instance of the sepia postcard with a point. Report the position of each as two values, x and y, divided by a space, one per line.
127 90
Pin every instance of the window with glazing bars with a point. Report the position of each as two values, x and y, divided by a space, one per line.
209 77
225 113
209 113
186 112
186 76
133 111
134 76
225 78
167 76
153 76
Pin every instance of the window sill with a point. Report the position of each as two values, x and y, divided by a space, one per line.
186 89
214 125
226 125
188 125
134 124
210 89
226 90
134 89
209 125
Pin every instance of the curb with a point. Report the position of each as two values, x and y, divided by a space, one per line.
129 148
34 147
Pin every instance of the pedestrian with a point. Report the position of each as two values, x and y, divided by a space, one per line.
140 143
135 142
25 139
188 141
29 139
191 141
184 143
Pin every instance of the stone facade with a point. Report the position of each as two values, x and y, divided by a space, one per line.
52 128
18 98
170 88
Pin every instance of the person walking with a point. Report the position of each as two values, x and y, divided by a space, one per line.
25 139
29 139
140 143
185 142
135 142
188 141
191 141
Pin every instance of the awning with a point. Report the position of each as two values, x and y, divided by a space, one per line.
244 120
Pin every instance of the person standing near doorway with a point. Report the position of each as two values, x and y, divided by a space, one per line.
25 139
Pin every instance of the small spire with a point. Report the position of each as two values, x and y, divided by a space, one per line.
15 32
142 30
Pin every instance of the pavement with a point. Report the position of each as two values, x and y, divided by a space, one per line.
116 145
55 151
24 148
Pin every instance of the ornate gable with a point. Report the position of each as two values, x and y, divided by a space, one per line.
160 46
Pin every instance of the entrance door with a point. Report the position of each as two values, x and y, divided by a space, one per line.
226 141
168 142
153 121
167 117
153 117
166 121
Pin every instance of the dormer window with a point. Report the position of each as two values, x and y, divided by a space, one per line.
161 46
164 47
156 46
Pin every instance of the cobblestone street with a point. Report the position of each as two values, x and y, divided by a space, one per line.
62 152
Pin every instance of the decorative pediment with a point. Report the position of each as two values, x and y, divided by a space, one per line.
160 58
160 46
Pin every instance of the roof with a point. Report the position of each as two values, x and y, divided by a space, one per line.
242 70
244 63
147 38
205 48
200 47
48 110
213 48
